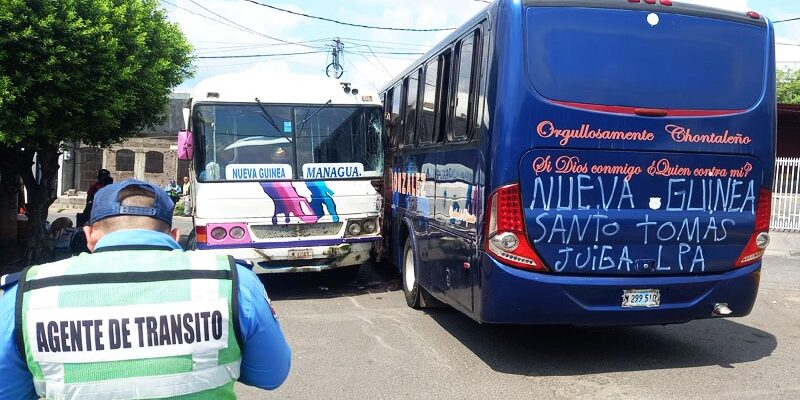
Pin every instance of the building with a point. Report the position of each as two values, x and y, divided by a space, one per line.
151 156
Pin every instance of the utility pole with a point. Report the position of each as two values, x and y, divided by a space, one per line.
334 69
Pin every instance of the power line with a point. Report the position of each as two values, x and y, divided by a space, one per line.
786 20
264 55
248 29
236 26
348 23
787 44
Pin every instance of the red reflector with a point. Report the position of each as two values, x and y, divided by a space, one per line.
200 234
633 1
650 1
753 15
666 3
763 210
650 112
509 210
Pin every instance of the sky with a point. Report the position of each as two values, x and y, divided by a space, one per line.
239 29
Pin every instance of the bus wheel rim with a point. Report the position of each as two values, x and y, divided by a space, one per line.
410 279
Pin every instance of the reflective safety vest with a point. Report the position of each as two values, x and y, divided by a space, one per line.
125 323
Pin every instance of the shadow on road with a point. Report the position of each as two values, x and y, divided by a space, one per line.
371 278
564 351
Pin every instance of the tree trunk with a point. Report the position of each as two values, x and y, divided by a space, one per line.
9 178
41 194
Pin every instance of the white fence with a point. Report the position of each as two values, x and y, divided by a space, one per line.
786 195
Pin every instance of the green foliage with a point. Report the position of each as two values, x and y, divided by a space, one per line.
97 71
94 71
788 86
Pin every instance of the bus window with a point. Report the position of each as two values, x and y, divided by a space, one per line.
411 109
394 122
443 97
464 91
429 102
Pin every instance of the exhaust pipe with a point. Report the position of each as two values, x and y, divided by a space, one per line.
721 310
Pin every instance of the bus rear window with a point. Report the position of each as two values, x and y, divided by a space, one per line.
635 59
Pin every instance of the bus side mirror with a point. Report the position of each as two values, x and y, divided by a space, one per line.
185 145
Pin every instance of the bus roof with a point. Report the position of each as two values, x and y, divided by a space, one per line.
281 89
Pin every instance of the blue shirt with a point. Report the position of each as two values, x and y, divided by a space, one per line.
266 357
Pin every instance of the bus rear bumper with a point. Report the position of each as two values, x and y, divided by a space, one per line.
302 259
510 295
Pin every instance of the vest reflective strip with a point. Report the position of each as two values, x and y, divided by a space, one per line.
48 298
204 289
146 386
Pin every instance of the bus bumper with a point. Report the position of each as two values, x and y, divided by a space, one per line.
314 258
509 295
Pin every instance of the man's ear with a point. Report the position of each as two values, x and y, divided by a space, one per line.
175 233
93 236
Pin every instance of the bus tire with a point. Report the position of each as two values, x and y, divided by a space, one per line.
191 241
409 271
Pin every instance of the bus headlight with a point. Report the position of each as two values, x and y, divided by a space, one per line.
354 229
219 233
237 232
369 226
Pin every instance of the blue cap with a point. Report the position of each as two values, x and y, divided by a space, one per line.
107 204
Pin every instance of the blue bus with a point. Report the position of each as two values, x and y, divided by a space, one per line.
586 162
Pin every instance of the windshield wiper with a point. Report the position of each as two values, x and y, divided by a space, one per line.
303 122
271 121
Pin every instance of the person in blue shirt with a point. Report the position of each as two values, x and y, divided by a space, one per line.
132 227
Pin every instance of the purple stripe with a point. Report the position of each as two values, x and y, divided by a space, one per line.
278 245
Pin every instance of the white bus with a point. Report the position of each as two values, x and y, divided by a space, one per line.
286 171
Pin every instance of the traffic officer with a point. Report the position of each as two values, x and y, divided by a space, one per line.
139 317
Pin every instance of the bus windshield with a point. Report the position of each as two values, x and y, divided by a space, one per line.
640 59
278 142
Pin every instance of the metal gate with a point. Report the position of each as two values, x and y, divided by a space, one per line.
786 195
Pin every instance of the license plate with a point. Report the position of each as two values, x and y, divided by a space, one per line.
300 254
641 298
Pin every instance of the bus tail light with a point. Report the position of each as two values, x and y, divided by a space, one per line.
506 238
759 240
200 234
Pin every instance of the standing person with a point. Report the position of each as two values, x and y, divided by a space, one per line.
139 317
103 179
173 191
187 198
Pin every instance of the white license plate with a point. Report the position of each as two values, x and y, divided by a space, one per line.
300 254
641 298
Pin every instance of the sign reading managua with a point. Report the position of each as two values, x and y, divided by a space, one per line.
333 170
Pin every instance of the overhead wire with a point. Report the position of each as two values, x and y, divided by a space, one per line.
348 23
263 55
246 28
233 25
786 20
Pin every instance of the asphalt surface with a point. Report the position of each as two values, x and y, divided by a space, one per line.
356 338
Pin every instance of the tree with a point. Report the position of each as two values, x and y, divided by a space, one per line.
788 85
94 71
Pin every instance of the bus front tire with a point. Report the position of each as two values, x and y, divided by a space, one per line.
410 287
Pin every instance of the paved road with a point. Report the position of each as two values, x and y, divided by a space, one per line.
357 339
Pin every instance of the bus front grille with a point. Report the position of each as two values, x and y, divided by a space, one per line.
296 230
